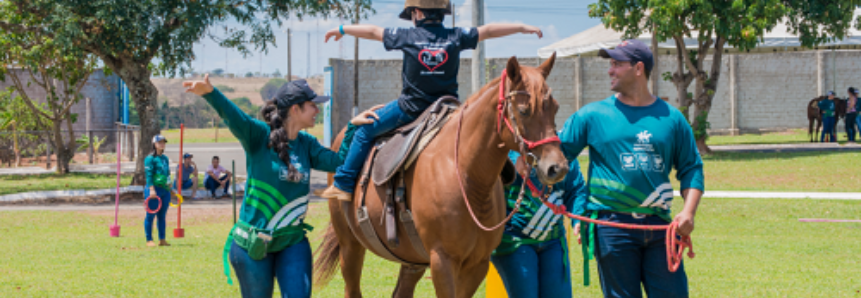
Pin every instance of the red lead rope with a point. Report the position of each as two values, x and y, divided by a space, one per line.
675 247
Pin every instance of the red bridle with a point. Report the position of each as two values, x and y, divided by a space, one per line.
500 107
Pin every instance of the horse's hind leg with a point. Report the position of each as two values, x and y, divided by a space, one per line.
407 281
470 279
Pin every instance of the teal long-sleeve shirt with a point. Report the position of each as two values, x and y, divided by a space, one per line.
631 152
155 166
271 201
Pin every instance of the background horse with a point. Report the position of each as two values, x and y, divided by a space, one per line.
815 115
459 251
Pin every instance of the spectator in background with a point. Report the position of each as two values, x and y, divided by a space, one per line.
216 177
852 114
827 107
189 175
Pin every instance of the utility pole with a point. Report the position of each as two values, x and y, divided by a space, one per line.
289 57
478 75
453 13
308 74
356 68
225 53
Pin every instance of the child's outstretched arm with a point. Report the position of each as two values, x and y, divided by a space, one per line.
500 30
361 31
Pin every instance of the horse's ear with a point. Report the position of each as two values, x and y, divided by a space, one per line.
512 70
547 66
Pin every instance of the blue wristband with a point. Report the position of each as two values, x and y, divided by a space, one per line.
341 29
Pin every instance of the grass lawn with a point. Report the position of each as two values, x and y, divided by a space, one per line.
11 184
789 171
207 135
793 136
745 248
795 171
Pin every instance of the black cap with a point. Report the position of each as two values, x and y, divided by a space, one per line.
853 90
297 92
630 50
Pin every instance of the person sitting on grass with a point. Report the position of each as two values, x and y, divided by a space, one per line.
216 177
189 175
157 169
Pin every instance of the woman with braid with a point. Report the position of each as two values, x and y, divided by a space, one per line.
268 242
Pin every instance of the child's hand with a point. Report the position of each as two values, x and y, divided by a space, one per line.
527 29
334 32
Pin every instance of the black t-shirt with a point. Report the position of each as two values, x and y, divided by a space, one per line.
431 62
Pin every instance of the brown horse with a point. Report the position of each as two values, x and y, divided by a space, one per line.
459 251
815 115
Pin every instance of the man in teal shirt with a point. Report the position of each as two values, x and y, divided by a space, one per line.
634 140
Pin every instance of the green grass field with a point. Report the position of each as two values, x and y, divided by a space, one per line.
793 136
11 184
796 171
745 248
789 171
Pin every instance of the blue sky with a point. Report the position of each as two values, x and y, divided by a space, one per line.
558 19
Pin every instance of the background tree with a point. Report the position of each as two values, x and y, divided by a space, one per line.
715 24
267 92
128 34
60 72
16 117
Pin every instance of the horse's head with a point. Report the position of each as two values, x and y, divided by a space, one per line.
530 110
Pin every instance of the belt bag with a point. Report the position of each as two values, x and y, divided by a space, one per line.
258 242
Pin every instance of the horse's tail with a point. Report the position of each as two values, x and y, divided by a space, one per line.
328 259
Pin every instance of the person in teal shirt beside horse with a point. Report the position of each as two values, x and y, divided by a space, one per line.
532 259
157 190
269 241
634 141
826 109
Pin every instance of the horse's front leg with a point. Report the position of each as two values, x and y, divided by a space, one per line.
444 271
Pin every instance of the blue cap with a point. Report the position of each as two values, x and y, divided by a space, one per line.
158 138
187 155
830 93
631 50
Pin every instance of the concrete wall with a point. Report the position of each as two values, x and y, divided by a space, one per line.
100 89
756 92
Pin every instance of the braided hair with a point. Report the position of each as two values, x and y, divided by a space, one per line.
279 140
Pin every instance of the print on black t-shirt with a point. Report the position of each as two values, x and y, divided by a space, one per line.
431 62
